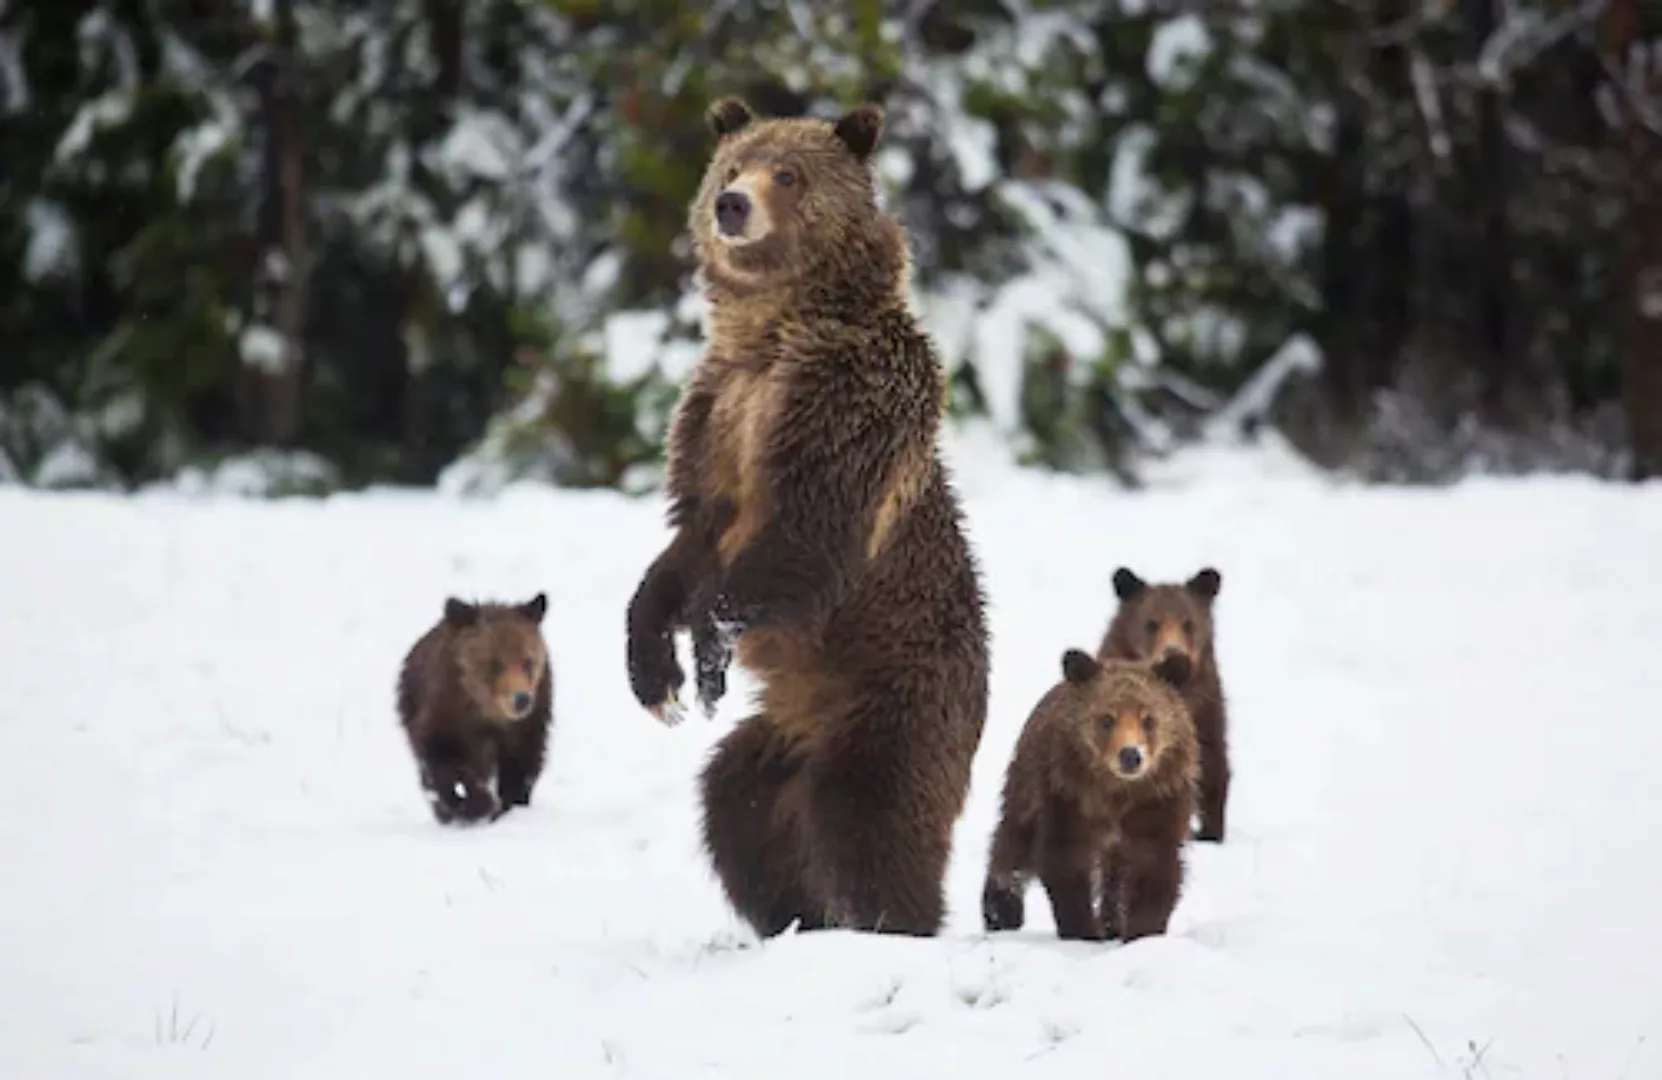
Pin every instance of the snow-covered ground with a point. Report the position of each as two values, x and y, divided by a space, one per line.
1447 715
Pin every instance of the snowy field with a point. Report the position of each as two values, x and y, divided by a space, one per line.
1447 718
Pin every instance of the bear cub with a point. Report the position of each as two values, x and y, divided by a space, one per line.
1169 619
475 697
1096 802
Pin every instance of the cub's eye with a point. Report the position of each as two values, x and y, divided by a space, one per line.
1188 626
496 668
1151 628
1106 723
784 178
529 667
1148 725
732 175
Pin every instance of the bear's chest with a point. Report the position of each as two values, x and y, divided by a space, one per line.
743 417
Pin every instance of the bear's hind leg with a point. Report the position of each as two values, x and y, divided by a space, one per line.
1214 792
879 840
753 851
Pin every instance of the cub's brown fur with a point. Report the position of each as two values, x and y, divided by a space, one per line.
1096 802
1167 619
844 576
475 697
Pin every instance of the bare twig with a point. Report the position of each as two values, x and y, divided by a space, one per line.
1523 37
1435 1056
1410 27
1431 105
1630 87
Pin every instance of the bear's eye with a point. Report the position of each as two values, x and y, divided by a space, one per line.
529 667
732 175
1151 627
784 178
1148 725
1106 723
1189 626
496 668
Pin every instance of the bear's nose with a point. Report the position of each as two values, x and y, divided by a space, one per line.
732 208
522 702
1131 759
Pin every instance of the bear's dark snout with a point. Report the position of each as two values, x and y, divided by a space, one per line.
522 703
1131 759
732 210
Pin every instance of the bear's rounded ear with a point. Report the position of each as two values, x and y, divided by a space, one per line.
1174 669
1206 584
860 128
535 608
728 115
1078 666
458 613
1127 584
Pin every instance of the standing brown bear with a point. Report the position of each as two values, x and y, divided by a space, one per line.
475 697
1096 802
1176 619
841 573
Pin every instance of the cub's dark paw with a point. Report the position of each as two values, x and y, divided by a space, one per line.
1001 908
514 794
464 804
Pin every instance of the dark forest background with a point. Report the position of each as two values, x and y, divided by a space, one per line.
295 245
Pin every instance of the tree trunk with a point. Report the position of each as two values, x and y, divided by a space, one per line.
1506 394
273 403
1346 269
1640 295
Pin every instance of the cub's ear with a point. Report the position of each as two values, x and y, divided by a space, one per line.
1079 666
1127 584
860 129
535 608
459 614
1174 669
727 116
1205 584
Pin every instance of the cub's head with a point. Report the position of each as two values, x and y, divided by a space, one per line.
1163 620
501 653
1130 714
459 774
786 198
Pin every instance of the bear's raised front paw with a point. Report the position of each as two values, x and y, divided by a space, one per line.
712 655
655 676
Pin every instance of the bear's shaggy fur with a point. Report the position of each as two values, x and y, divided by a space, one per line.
843 577
475 697
1166 619
1096 802
659 609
